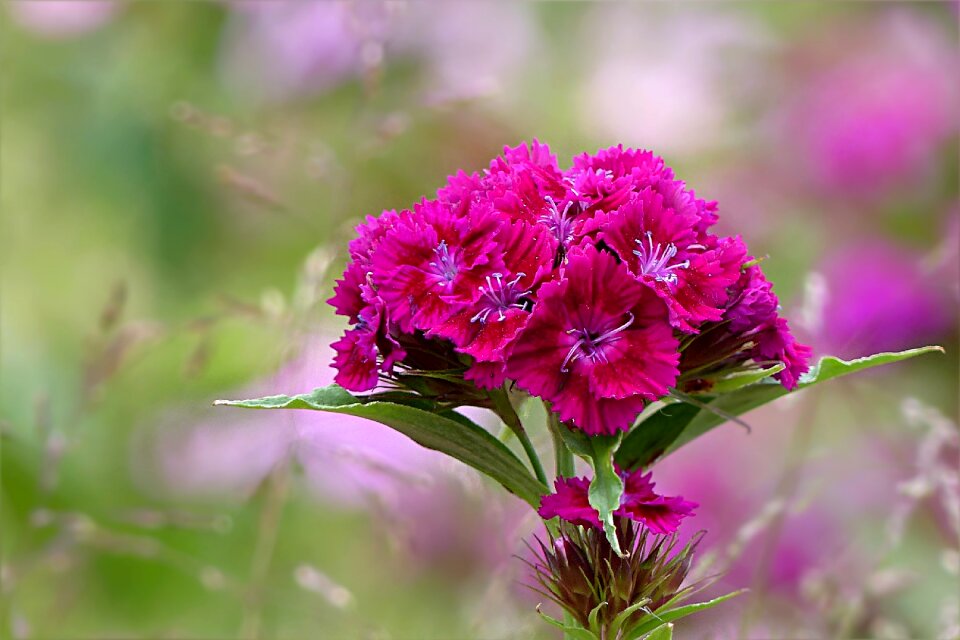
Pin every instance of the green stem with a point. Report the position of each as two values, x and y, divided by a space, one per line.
504 409
563 457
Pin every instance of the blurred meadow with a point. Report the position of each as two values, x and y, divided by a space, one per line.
179 182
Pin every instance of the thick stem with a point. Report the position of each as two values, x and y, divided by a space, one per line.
504 409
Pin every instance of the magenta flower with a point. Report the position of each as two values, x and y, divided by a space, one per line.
867 123
640 503
753 315
751 329
366 351
893 302
576 284
485 328
596 357
432 261
690 271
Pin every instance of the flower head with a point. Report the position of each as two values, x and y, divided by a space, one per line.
577 285
581 573
640 503
751 330
661 245
432 261
596 357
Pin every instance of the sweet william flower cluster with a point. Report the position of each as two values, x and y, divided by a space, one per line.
597 289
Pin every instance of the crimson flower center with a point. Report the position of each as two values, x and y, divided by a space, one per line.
592 344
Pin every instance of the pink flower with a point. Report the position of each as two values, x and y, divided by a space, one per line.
596 357
750 329
62 18
485 328
431 262
366 351
892 303
640 503
876 120
690 271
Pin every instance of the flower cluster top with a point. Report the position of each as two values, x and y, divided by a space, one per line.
598 288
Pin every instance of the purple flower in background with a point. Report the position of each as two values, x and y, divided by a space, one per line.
880 297
287 48
669 75
874 120
744 500
62 18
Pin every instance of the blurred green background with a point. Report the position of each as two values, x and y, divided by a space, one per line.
179 181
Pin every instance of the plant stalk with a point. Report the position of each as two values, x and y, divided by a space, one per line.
504 409
563 457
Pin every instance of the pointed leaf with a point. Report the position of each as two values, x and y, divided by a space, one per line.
452 434
658 618
577 441
663 632
569 631
592 618
670 428
606 488
621 618
734 381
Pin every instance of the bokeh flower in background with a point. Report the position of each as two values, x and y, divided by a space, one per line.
872 109
892 302
286 49
662 76
62 18
433 513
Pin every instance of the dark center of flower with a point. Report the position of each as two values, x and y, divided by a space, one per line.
445 265
591 344
498 296
655 260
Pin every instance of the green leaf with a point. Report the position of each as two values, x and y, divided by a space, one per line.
569 631
452 434
672 426
621 618
592 619
659 618
606 488
650 439
663 632
577 441
734 381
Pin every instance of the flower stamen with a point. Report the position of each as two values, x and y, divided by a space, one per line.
445 265
592 346
654 260
501 296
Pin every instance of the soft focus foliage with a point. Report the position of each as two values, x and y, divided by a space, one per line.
181 180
